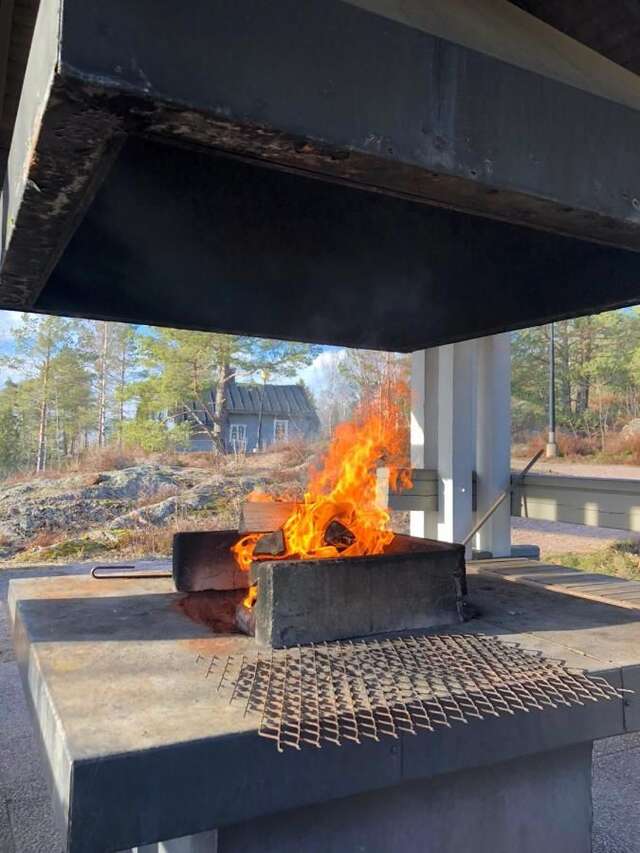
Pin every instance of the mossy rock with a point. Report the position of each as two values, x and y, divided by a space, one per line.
69 549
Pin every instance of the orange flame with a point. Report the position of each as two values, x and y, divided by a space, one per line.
344 489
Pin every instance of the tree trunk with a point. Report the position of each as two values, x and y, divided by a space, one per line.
123 376
102 399
582 397
565 370
219 418
260 411
41 455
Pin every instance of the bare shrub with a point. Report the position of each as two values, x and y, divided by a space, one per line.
295 452
108 459
158 541
45 538
29 476
632 446
577 445
568 445
216 462
147 541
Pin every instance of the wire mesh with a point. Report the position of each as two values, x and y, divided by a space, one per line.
354 690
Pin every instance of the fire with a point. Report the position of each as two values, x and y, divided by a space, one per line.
344 489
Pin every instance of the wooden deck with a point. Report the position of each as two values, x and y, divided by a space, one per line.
590 585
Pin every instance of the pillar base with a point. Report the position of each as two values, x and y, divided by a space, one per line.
540 802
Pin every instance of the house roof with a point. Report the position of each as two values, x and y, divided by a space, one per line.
279 400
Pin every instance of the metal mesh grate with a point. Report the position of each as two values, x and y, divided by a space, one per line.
351 690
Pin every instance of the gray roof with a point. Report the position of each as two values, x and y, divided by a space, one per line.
279 400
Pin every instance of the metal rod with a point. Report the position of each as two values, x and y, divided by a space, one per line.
102 573
501 497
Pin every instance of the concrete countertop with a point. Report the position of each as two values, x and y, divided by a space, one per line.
141 747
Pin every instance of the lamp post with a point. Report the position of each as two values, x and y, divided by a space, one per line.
552 448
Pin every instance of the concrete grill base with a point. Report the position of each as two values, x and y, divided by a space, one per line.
141 746
416 583
489 810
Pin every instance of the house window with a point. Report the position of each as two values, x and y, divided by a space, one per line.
280 430
238 438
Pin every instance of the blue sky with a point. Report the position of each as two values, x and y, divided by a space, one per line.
8 319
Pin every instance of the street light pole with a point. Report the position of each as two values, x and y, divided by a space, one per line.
552 447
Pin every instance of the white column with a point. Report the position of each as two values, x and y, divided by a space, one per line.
443 435
493 454
203 842
424 429
456 439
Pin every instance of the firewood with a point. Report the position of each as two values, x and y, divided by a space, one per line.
246 619
264 516
270 544
338 535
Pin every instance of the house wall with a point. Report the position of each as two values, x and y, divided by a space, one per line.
300 427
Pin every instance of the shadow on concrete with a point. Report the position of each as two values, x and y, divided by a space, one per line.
161 616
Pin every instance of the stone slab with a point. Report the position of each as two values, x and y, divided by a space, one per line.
120 700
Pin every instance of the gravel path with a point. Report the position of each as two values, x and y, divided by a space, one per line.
580 469
554 537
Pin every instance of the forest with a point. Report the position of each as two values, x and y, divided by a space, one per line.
77 385
597 379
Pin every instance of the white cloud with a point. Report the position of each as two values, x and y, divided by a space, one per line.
315 374
8 321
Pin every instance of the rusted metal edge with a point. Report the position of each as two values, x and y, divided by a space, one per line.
85 122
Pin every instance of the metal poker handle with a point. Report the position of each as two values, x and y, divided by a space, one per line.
126 572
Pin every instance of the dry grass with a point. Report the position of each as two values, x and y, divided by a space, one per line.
158 541
568 445
295 452
621 559
45 538
157 497
276 458
632 447
619 449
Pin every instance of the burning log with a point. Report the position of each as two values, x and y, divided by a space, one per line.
270 545
264 516
338 535
246 619
344 487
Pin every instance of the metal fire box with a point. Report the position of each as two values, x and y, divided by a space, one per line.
415 583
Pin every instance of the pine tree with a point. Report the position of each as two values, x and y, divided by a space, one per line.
38 340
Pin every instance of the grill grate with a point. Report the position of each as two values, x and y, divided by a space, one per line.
352 690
